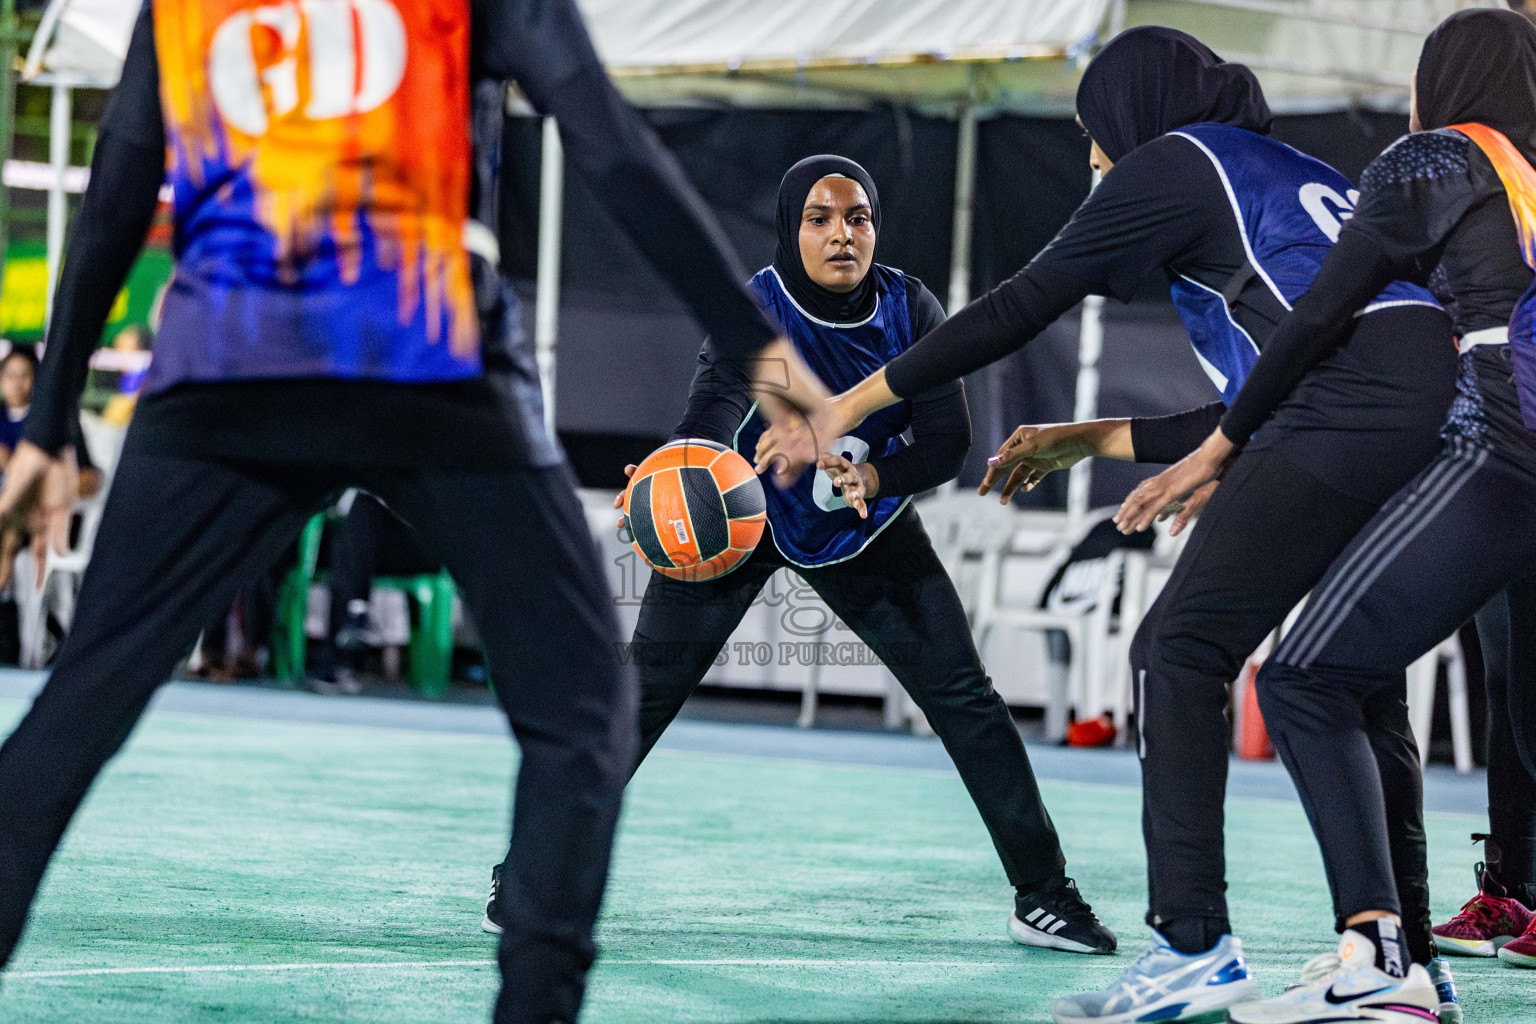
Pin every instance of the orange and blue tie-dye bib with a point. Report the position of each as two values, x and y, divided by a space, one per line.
320 157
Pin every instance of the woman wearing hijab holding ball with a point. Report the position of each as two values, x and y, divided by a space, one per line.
849 531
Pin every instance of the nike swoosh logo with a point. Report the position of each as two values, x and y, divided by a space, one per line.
1336 1000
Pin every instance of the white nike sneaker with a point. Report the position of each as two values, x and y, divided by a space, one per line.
1165 985
1347 986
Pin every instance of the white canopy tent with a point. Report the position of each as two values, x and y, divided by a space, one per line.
82 43
1019 55
968 58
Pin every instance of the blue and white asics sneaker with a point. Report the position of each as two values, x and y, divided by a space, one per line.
1166 985
1347 986
1445 987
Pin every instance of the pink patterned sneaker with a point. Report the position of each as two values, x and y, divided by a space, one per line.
1487 922
1521 952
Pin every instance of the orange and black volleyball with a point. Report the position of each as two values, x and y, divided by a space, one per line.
695 509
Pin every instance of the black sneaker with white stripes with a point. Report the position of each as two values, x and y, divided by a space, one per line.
492 921
1056 917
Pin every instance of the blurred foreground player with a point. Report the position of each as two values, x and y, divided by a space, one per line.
850 532
327 327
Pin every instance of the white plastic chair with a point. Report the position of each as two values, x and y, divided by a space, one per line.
1423 676
996 537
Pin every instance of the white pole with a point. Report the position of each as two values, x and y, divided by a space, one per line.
546 310
965 211
58 209
1090 344
961 235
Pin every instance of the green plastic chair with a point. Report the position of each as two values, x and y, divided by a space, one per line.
431 649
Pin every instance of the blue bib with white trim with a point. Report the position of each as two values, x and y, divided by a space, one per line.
812 525
1289 209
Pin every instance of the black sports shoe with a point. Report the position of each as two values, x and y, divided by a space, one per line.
1056 917
492 920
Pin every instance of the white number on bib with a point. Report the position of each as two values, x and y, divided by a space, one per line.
1328 209
855 450
344 36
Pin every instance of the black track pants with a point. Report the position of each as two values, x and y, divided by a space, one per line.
1268 535
1461 532
898 599
1506 627
180 535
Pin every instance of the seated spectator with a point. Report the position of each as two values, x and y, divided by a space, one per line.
18 369
131 345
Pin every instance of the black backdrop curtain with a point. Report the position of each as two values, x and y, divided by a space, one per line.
627 347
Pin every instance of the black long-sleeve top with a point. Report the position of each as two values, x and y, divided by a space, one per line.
542 45
720 399
1162 207
1432 209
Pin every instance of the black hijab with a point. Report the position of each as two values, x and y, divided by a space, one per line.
1480 65
1150 80
833 307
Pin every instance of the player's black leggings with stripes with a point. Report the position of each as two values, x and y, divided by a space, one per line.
1461 532
897 598
181 535
1266 538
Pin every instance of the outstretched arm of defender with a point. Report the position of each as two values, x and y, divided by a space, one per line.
1034 452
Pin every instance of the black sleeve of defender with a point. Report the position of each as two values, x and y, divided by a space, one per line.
940 419
1152 208
1168 439
119 206
544 46
719 398
923 308
941 437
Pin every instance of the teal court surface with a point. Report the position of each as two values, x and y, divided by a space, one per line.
272 857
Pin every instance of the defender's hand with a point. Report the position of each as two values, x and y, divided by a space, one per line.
618 499
1033 453
859 482
1185 513
1170 492
794 402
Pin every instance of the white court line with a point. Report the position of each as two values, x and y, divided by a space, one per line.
820 963
93 972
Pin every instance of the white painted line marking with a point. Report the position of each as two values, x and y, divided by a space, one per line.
91 972
822 963
94 972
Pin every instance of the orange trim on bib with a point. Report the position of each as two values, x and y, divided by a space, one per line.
1519 179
